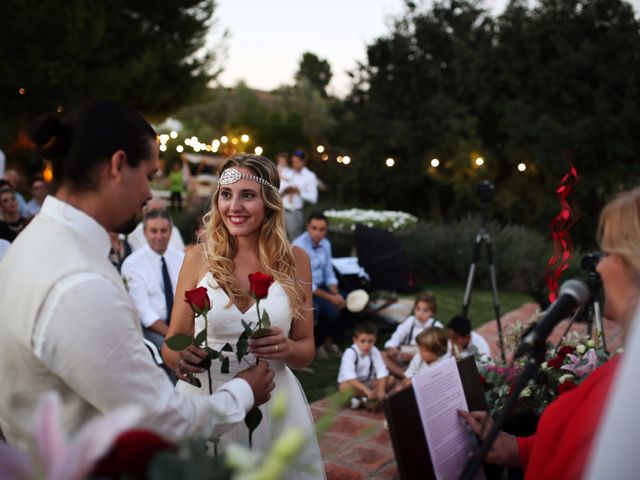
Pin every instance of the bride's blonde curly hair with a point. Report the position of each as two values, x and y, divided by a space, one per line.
275 251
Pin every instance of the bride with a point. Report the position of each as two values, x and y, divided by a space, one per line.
245 233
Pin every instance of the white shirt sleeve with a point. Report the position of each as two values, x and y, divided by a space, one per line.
347 366
412 369
86 335
378 364
137 285
436 323
482 347
309 187
400 333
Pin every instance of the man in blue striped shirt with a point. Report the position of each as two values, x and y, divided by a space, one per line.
327 299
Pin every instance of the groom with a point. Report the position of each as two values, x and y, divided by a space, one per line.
67 323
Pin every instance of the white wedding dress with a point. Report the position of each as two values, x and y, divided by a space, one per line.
225 327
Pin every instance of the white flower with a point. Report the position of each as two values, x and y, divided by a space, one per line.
581 349
544 365
526 392
565 377
591 343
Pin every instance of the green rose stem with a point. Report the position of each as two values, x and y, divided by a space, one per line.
206 346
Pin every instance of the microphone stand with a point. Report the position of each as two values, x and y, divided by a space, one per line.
535 355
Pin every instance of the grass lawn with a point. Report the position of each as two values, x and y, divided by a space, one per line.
322 382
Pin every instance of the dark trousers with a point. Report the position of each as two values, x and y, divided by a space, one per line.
329 321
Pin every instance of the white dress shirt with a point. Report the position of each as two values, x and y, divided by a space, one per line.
349 370
85 336
411 327
137 240
306 182
143 272
478 347
4 246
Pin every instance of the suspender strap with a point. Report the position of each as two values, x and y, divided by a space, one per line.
371 368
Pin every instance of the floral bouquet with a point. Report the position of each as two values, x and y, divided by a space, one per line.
113 447
562 370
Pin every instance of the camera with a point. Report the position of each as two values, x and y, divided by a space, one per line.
589 261
484 191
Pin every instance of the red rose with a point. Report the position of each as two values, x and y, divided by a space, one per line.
259 284
566 387
556 362
198 299
131 455
565 350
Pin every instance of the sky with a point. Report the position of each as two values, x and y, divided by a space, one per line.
267 38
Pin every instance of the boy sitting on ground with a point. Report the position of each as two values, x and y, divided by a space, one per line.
401 347
465 342
362 370
433 346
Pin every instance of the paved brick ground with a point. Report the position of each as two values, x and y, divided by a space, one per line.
357 446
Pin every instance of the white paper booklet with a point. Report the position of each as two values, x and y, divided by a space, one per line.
439 396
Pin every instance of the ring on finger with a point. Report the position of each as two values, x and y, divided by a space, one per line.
276 348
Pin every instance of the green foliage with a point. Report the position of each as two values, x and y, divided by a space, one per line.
147 54
536 85
443 252
291 116
314 70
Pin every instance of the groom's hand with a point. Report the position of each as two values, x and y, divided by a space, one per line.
260 379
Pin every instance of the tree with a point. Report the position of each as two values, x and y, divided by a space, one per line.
316 71
146 54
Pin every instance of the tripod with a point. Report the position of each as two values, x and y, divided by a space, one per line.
483 238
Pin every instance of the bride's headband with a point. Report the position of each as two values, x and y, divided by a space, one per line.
231 175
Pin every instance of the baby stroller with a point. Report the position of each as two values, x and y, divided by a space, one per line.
381 268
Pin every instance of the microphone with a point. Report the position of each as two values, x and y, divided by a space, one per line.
573 294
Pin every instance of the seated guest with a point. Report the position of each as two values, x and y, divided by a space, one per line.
401 347
328 302
433 348
362 370
152 275
12 177
38 194
465 342
12 222
137 238
120 249
562 444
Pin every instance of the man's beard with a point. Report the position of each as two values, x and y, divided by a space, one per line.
127 227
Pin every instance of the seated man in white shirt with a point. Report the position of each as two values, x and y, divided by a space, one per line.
137 238
465 342
152 276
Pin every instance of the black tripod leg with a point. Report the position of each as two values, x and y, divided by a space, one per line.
466 300
496 303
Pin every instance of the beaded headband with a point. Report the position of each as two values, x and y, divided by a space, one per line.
231 175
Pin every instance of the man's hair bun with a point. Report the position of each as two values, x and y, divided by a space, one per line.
50 136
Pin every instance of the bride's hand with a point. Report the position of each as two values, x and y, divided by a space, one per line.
190 357
274 346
